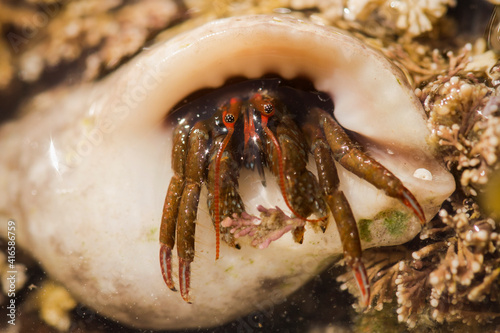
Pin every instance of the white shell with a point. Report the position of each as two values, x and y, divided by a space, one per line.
84 175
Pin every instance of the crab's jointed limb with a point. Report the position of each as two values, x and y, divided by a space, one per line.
187 207
172 199
191 157
287 157
339 206
287 153
354 160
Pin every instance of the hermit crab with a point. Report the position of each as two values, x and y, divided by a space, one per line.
279 136
85 169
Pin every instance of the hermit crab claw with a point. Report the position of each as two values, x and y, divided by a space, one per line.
361 277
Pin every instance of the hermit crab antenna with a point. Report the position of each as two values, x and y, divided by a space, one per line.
229 116
267 109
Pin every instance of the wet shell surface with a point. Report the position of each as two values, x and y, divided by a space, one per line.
85 172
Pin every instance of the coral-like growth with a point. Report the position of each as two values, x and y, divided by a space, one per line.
464 120
452 275
463 282
44 34
36 35
405 17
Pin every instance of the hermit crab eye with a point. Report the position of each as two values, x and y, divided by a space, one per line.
230 114
229 118
264 104
268 108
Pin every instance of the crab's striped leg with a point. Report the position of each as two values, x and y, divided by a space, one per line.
339 206
172 200
195 167
354 160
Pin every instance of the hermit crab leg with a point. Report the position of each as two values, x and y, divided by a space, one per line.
195 167
229 118
172 199
365 167
288 161
339 206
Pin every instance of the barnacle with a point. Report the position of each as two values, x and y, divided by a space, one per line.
415 17
409 18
